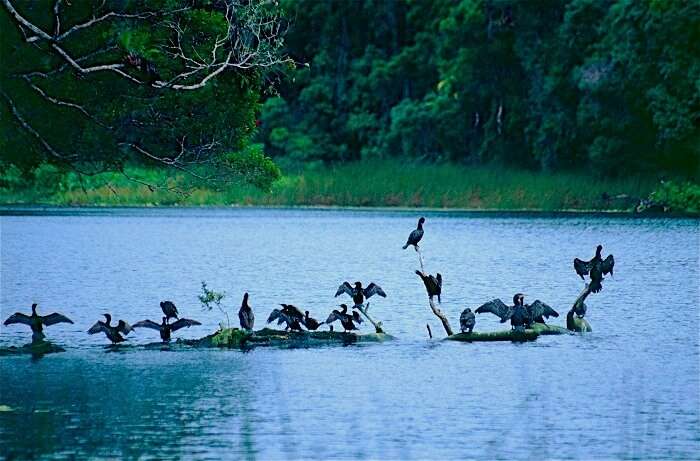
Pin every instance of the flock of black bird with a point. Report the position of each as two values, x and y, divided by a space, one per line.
521 315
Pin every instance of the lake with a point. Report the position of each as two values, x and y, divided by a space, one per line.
630 389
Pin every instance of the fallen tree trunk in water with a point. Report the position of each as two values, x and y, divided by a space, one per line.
235 338
37 348
510 335
575 323
547 329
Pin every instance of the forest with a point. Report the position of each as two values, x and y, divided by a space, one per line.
229 90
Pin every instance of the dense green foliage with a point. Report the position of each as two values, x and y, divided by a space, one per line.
609 86
90 86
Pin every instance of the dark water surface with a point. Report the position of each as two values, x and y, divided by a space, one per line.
630 389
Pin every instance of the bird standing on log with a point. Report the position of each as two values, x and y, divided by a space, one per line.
359 294
595 268
311 323
290 315
433 284
113 333
467 320
169 309
346 320
37 322
245 314
416 235
519 314
165 328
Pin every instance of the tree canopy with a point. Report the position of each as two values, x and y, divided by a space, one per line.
92 85
611 86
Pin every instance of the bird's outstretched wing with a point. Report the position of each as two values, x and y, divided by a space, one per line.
182 323
293 311
333 317
124 327
147 324
539 309
98 327
345 288
373 289
496 307
582 267
19 317
356 317
55 318
274 315
607 265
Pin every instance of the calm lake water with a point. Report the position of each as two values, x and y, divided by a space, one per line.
630 389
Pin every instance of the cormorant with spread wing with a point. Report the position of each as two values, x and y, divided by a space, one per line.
415 236
519 314
289 314
433 284
311 323
169 309
347 320
467 320
166 328
245 314
114 333
595 268
358 294
37 322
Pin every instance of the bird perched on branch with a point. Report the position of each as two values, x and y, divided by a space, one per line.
416 235
165 328
113 332
519 314
311 323
37 322
290 315
245 314
467 320
595 268
359 294
169 309
433 284
346 320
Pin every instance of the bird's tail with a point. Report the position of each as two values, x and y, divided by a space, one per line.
405 246
596 286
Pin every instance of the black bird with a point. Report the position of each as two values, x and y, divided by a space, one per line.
595 268
291 315
347 320
580 309
245 314
37 322
519 314
169 309
311 323
114 333
165 328
433 284
467 320
358 294
416 235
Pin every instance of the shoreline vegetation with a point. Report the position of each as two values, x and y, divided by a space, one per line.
366 184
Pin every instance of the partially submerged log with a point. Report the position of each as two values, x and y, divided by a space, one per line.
365 311
36 348
547 329
577 324
235 338
509 335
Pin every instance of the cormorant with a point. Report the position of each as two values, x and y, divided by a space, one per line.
166 328
433 284
169 309
358 294
347 320
519 314
467 320
37 322
114 333
416 235
595 268
245 314
291 315
311 323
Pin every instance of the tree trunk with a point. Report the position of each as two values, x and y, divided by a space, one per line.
363 310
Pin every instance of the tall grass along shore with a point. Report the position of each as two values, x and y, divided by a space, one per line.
362 184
